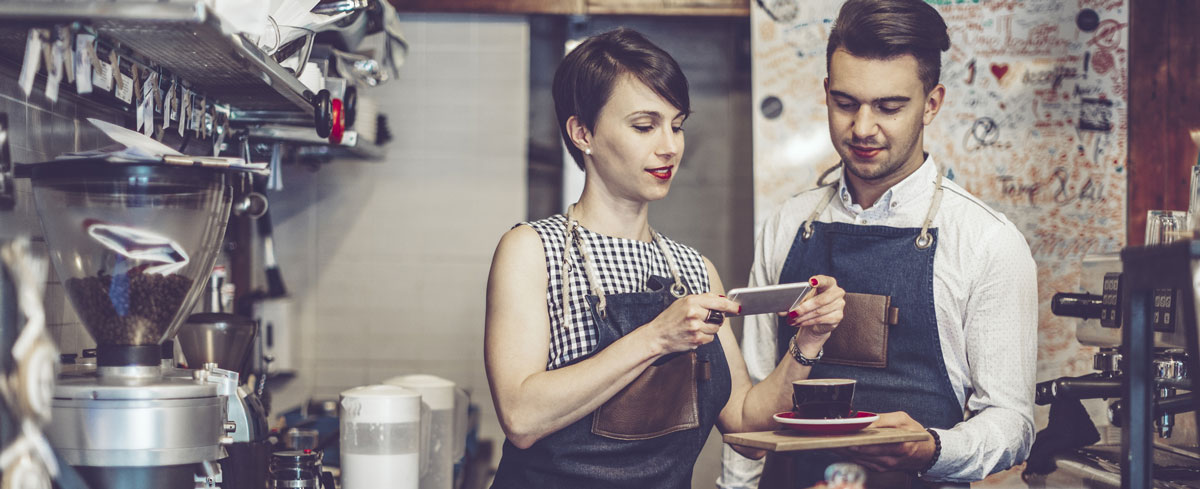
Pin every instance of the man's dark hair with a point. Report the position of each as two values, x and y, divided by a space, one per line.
885 29
585 79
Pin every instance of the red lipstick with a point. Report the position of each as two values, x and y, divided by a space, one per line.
662 173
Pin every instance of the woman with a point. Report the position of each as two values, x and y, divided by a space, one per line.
621 387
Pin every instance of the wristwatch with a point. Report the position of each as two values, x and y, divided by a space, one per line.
800 358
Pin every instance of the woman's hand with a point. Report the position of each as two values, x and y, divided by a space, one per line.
681 327
820 314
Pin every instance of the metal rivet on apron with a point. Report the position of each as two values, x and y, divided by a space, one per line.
678 290
924 241
807 232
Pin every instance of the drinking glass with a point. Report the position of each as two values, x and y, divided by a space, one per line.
1164 227
302 439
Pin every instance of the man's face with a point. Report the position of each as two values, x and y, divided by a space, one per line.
877 113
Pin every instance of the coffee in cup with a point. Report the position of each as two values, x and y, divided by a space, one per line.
823 398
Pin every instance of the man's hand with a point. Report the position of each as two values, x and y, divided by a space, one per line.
906 456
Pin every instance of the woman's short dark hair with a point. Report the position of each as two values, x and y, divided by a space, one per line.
585 79
885 29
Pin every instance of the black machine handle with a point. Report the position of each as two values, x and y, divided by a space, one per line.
1163 405
350 106
323 113
1083 306
1090 386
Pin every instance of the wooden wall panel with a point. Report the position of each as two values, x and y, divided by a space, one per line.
1164 105
1147 114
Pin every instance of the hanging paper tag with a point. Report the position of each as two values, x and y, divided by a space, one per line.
168 108
32 61
158 94
202 119
64 38
141 117
158 107
137 82
102 76
83 63
115 61
124 83
147 106
185 110
54 71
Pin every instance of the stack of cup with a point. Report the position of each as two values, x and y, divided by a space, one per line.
381 437
447 439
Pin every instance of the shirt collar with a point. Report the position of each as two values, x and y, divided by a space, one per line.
914 187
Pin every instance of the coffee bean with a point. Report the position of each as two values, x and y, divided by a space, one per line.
131 308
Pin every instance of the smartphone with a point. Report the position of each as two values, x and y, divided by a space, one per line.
771 298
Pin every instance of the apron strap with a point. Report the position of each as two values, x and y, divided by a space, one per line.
807 228
571 236
923 241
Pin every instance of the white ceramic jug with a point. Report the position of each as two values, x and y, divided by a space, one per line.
382 437
447 407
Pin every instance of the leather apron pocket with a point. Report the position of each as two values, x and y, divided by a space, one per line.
661 400
861 339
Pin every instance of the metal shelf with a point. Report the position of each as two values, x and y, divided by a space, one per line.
306 136
184 37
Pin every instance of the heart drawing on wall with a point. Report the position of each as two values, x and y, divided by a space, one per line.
999 70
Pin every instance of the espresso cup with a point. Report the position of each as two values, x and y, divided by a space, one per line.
823 398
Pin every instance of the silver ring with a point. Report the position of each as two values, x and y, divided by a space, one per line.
715 317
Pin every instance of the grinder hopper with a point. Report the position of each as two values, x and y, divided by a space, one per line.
129 243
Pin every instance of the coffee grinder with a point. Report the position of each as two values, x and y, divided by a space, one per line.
130 243
225 340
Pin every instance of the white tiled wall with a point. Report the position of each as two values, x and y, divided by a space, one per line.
387 261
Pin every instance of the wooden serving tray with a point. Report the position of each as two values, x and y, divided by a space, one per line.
790 441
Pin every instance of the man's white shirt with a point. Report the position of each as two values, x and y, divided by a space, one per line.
985 294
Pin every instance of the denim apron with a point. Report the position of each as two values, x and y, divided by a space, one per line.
577 457
880 260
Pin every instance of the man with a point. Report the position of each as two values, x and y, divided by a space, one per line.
959 273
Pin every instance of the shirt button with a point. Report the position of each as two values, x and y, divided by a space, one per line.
894 205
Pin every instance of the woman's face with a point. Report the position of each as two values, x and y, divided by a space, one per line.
637 143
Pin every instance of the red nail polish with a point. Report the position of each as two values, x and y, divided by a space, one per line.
739 309
721 296
793 314
813 282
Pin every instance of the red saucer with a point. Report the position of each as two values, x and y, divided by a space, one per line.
826 426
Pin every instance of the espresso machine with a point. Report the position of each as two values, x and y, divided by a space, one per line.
130 243
1138 309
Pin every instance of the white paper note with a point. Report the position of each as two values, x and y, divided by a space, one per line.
169 106
147 107
83 63
54 72
102 76
32 61
124 85
185 110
